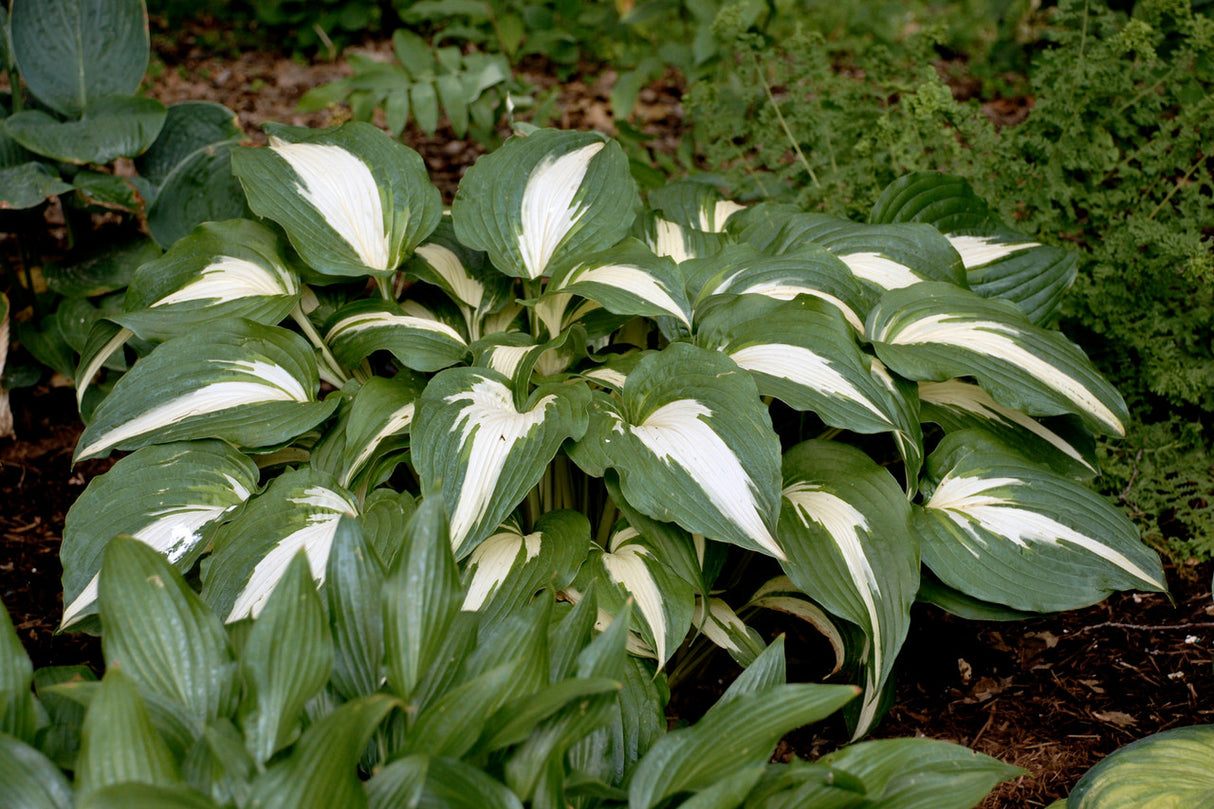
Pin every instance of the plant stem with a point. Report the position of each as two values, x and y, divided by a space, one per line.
336 374
1179 184
784 124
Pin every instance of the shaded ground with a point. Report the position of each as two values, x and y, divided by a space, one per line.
1053 695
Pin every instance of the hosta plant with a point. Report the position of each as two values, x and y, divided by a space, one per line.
705 409
396 686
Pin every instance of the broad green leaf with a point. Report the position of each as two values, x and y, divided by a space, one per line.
505 571
1169 770
464 274
70 52
957 405
1002 529
693 444
935 332
110 191
219 765
28 184
721 625
933 591
921 773
28 779
300 510
450 725
422 343
170 497
423 781
119 744
18 713
421 599
727 792
113 126
731 737
201 188
162 634
222 269
485 448
146 796
188 127
352 200
321 771
101 270
847 527
353 587
381 415
693 205
286 659
544 200
627 279
999 261
248 384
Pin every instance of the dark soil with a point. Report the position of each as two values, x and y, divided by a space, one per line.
1053 695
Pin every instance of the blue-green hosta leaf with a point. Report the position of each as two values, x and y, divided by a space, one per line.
201 188
423 343
809 270
544 200
169 497
1169 770
721 625
222 269
352 200
251 385
18 716
1002 529
957 405
465 275
118 742
692 444
846 526
631 569
935 332
188 127
28 184
286 659
782 595
162 634
28 779
299 510
485 452
380 417
732 736
113 126
321 771
999 261
506 570
627 279
693 205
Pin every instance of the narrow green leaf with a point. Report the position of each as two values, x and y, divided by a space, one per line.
353 583
145 796
28 780
219 765
448 783
18 716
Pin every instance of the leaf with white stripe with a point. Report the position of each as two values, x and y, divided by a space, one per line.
299 510
693 444
464 274
1062 443
693 205
628 279
248 384
418 340
485 445
999 261
352 200
545 199
1167 770
381 415
170 497
847 526
677 242
1002 529
717 621
935 332
631 568
504 572
781 595
222 269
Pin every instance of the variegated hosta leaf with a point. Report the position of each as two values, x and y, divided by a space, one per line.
803 353
248 384
693 205
545 199
693 444
417 339
627 279
101 350
222 269
782 595
299 510
169 497
517 356
935 332
381 414
999 261
721 625
506 570
630 568
845 525
1169 770
1002 529
484 450
809 270
352 200
957 405
677 242
465 275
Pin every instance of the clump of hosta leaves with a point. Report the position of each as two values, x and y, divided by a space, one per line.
705 409
398 685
